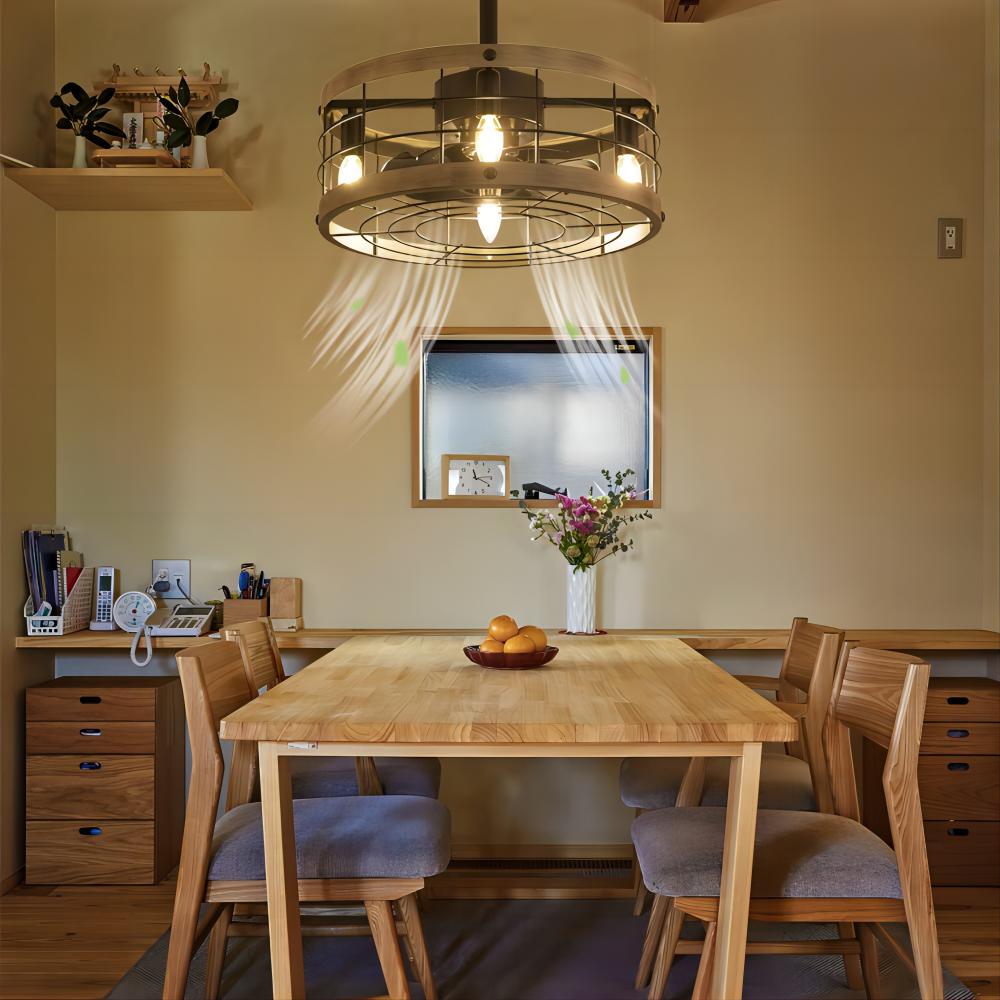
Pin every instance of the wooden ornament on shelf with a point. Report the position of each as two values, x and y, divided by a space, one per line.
126 158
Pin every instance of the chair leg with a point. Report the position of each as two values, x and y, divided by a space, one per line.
216 957
852 963
183 926
672 926
410 913
703 982
641 896
651 942
926 955
869 962
383 925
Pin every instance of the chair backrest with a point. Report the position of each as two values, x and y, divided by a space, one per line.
881 695
808 669
259 649
214 685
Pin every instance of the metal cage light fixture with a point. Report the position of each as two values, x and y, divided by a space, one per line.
498 155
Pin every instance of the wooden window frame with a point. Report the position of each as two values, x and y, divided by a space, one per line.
652 334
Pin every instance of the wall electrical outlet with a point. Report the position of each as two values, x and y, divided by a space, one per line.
170 570
951 238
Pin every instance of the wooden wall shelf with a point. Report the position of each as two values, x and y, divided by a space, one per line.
940 640
133 189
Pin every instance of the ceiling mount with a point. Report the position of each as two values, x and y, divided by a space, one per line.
498 155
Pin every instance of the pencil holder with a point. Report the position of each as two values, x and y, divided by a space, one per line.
235 611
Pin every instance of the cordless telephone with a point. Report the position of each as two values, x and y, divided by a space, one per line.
105 592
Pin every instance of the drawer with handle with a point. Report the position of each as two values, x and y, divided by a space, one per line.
70 786
90 703
962 699
960 738
960 788
94 737
963 853
92 851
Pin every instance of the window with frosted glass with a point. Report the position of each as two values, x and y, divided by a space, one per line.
561 409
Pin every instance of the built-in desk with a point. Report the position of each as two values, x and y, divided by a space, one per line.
762 639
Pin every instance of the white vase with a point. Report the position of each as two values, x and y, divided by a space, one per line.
80 153
581 601
199 152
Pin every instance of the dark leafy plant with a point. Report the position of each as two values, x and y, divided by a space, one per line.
83 115
178 124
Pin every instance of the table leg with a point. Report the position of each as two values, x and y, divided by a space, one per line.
737 865
287 976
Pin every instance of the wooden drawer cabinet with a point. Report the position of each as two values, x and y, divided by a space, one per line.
104 779
959 780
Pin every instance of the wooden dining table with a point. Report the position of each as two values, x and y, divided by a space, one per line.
418 696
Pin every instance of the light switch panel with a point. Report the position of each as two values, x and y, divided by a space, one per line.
950 237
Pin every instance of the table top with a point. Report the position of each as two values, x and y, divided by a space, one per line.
599 689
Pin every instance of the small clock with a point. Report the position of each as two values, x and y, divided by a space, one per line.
482 476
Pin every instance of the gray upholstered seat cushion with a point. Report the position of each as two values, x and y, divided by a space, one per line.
652 782
330 777
796 854
367 836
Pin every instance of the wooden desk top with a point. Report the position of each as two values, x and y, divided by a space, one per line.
736 639
598 690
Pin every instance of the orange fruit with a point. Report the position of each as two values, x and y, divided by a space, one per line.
502 628
490 646
536 635
518 644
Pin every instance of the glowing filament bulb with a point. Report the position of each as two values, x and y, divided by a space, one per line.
351 169
629 168
489 215
489 139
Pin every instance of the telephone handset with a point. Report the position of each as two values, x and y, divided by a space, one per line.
137 612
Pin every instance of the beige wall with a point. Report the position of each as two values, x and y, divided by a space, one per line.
27 380
808 149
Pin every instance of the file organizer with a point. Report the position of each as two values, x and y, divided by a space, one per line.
75 612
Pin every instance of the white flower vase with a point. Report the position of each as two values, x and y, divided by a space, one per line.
581 601
199 152
80 153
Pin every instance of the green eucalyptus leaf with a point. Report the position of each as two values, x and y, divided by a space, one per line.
56 101
180 137
105 95
64 123
98 141
109 129
183 92
87 106
172 91
98 114
226 108
213 125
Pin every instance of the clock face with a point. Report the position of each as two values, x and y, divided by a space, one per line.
477 477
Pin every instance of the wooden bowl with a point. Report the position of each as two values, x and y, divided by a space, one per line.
510 661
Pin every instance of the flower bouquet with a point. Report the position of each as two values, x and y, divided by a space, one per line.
586 530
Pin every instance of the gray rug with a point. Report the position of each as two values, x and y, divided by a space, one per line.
521 950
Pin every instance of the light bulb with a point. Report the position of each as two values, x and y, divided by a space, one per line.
489 215
629 168
351 169
489 139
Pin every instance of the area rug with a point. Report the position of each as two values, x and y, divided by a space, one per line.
521 950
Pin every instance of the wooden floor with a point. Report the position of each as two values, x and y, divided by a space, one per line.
78 941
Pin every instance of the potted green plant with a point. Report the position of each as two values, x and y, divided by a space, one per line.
181 129
84 116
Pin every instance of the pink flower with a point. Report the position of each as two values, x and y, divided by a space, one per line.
558 537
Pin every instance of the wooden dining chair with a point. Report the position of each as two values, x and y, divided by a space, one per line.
794 779
328 777
817 867
377 849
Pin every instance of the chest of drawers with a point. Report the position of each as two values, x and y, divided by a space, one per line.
104 779
959 779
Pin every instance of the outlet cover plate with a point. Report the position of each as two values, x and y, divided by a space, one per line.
175 568
950 238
